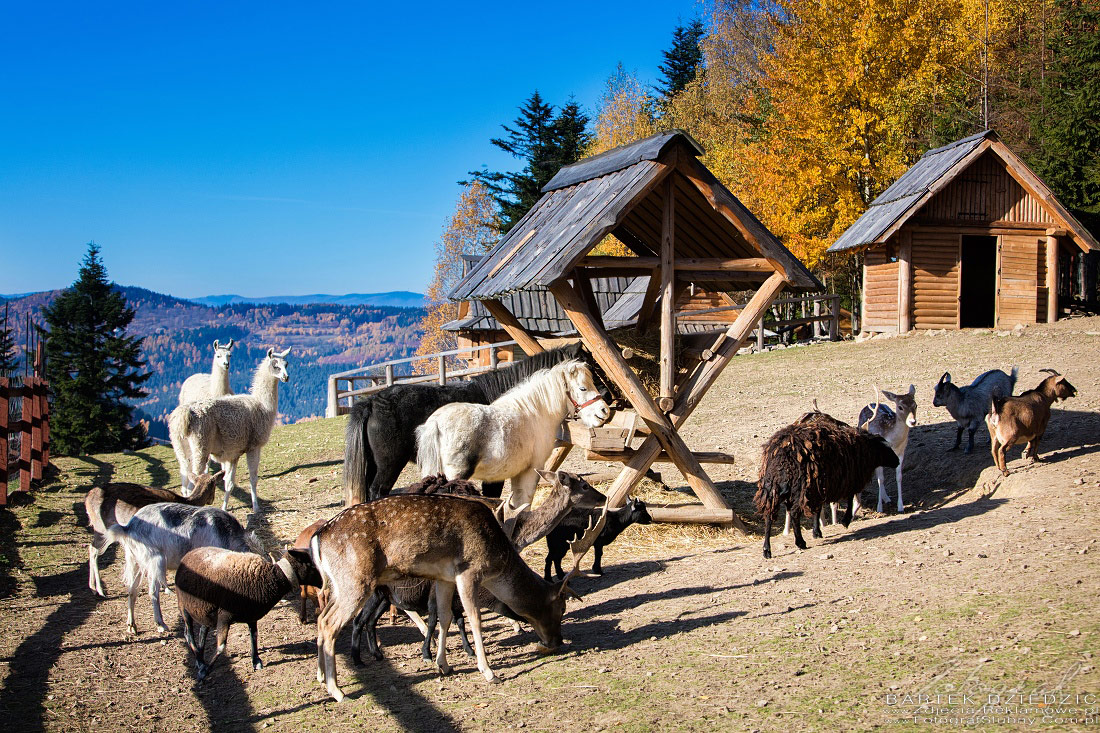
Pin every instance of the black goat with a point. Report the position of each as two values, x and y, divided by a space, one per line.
812 462
578 520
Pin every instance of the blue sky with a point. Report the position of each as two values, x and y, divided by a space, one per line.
275 148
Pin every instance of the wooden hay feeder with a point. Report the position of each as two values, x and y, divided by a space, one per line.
684 227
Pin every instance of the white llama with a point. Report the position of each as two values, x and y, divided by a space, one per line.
226 428
215 384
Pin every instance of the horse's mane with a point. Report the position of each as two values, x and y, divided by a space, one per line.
494 384
539 391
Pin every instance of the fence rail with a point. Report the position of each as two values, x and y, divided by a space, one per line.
24 440
339 400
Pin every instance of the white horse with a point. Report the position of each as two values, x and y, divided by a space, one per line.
513 436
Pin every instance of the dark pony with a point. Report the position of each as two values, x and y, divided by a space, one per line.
381 432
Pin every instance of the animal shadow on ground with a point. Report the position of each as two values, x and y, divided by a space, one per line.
159 476
937 517
223 694
292 469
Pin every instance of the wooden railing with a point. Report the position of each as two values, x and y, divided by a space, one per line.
384 374
26 397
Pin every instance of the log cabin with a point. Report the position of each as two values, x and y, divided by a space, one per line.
969 237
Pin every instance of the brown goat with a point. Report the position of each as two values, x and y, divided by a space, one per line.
116 503
1024 418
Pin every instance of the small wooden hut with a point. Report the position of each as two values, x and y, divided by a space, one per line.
684 227
967 237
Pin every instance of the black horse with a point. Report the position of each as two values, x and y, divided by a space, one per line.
381 433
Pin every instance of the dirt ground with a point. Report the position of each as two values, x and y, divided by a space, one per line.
974 608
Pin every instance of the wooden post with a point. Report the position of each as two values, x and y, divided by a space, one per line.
389 375
905 281
693 389
44 388
1052 278
33 393
664 434
834 324
513 327
818 329
760 334
25 438
558 456
332 408
441 361
649 300
4 395
494 358
668 298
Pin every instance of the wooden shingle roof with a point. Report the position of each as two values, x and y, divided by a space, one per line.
617 193
936 168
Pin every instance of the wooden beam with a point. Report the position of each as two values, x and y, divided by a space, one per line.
664 435
514 328
694 514
717 264
667 364
905 280
1052 278
719 276
583 285
558 455
662 457
693 389
621 263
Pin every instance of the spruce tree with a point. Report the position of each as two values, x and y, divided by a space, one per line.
1069 151
545 143
92 365
682 60
7 347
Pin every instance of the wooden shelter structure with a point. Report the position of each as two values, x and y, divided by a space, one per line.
684 227
967 237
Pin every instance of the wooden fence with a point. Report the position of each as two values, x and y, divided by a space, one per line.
376 377
24 431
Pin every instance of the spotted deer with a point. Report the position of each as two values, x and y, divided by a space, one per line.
453 541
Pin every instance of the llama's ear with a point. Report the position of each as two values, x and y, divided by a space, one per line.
270 352
283 354
229 346
216 345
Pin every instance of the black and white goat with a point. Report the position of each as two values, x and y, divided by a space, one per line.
814 461
969 405
217 588
117 502
578 520
158 536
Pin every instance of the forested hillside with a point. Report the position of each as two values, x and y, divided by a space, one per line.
179 334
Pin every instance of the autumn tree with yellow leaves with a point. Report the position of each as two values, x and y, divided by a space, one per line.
471 230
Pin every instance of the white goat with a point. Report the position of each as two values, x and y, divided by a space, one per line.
215 384
158 536
229 427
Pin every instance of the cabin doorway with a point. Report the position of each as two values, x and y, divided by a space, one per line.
978 282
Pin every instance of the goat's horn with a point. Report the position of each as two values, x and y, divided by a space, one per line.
1051 371
815 405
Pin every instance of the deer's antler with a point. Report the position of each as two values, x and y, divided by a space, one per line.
580 548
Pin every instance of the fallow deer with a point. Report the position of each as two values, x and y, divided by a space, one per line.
453 541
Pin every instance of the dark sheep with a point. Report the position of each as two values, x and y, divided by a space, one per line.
217 588
816 460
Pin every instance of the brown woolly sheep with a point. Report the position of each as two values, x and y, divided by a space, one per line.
816 460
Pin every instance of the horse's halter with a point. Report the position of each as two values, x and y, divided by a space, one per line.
577 407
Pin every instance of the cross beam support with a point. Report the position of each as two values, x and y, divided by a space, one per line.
608 356
513 327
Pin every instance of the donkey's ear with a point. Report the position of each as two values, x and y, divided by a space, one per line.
551 476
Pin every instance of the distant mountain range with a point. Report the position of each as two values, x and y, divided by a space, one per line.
325 337
395 299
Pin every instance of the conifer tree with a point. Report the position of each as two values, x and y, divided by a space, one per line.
683 60
545 143
1069 150
92 365
7 347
